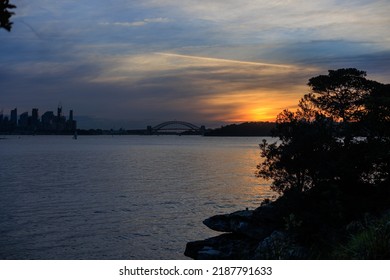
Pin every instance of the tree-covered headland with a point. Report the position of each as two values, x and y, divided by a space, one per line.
243 129
332 166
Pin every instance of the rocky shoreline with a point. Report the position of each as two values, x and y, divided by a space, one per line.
293 228
248 234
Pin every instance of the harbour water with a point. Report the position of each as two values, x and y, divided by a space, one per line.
121 197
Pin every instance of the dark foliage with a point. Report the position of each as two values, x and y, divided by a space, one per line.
333 156
5 14
340 95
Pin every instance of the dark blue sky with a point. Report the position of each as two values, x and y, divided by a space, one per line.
132 63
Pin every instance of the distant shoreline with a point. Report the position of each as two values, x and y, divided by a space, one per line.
247 129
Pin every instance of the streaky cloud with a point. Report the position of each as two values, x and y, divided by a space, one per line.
138 23
226 60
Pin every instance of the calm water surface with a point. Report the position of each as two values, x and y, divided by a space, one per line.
121 197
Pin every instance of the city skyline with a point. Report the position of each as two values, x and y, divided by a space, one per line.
48 122
131 64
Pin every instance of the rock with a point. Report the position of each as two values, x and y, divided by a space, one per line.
250 235
228 222
223 247
240 222
209 253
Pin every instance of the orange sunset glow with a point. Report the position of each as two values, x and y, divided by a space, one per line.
253 105
218 90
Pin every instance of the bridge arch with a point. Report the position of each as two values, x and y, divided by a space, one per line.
165 124
175 126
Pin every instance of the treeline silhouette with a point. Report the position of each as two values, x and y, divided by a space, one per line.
243 129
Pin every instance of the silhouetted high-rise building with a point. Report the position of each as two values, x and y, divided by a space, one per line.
23 120
70 123
2 124
48 121
60 120
34 119
59 111
34 114
14 117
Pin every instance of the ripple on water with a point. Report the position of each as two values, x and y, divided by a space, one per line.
130 197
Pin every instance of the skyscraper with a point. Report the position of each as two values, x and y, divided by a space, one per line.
71 124
59 111
34 119
23 120
48 121
14 117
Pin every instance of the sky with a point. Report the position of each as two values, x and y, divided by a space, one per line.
129 64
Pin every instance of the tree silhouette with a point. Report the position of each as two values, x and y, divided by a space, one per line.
340 95
5 14
331 164
319 139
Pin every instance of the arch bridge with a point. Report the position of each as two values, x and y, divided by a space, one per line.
176 126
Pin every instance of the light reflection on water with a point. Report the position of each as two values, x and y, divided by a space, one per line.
123 197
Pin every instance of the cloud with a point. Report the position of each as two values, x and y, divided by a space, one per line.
160 87
198 87
163 86
138 23
188 59
222 60
287 20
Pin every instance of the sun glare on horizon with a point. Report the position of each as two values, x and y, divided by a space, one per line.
252 105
